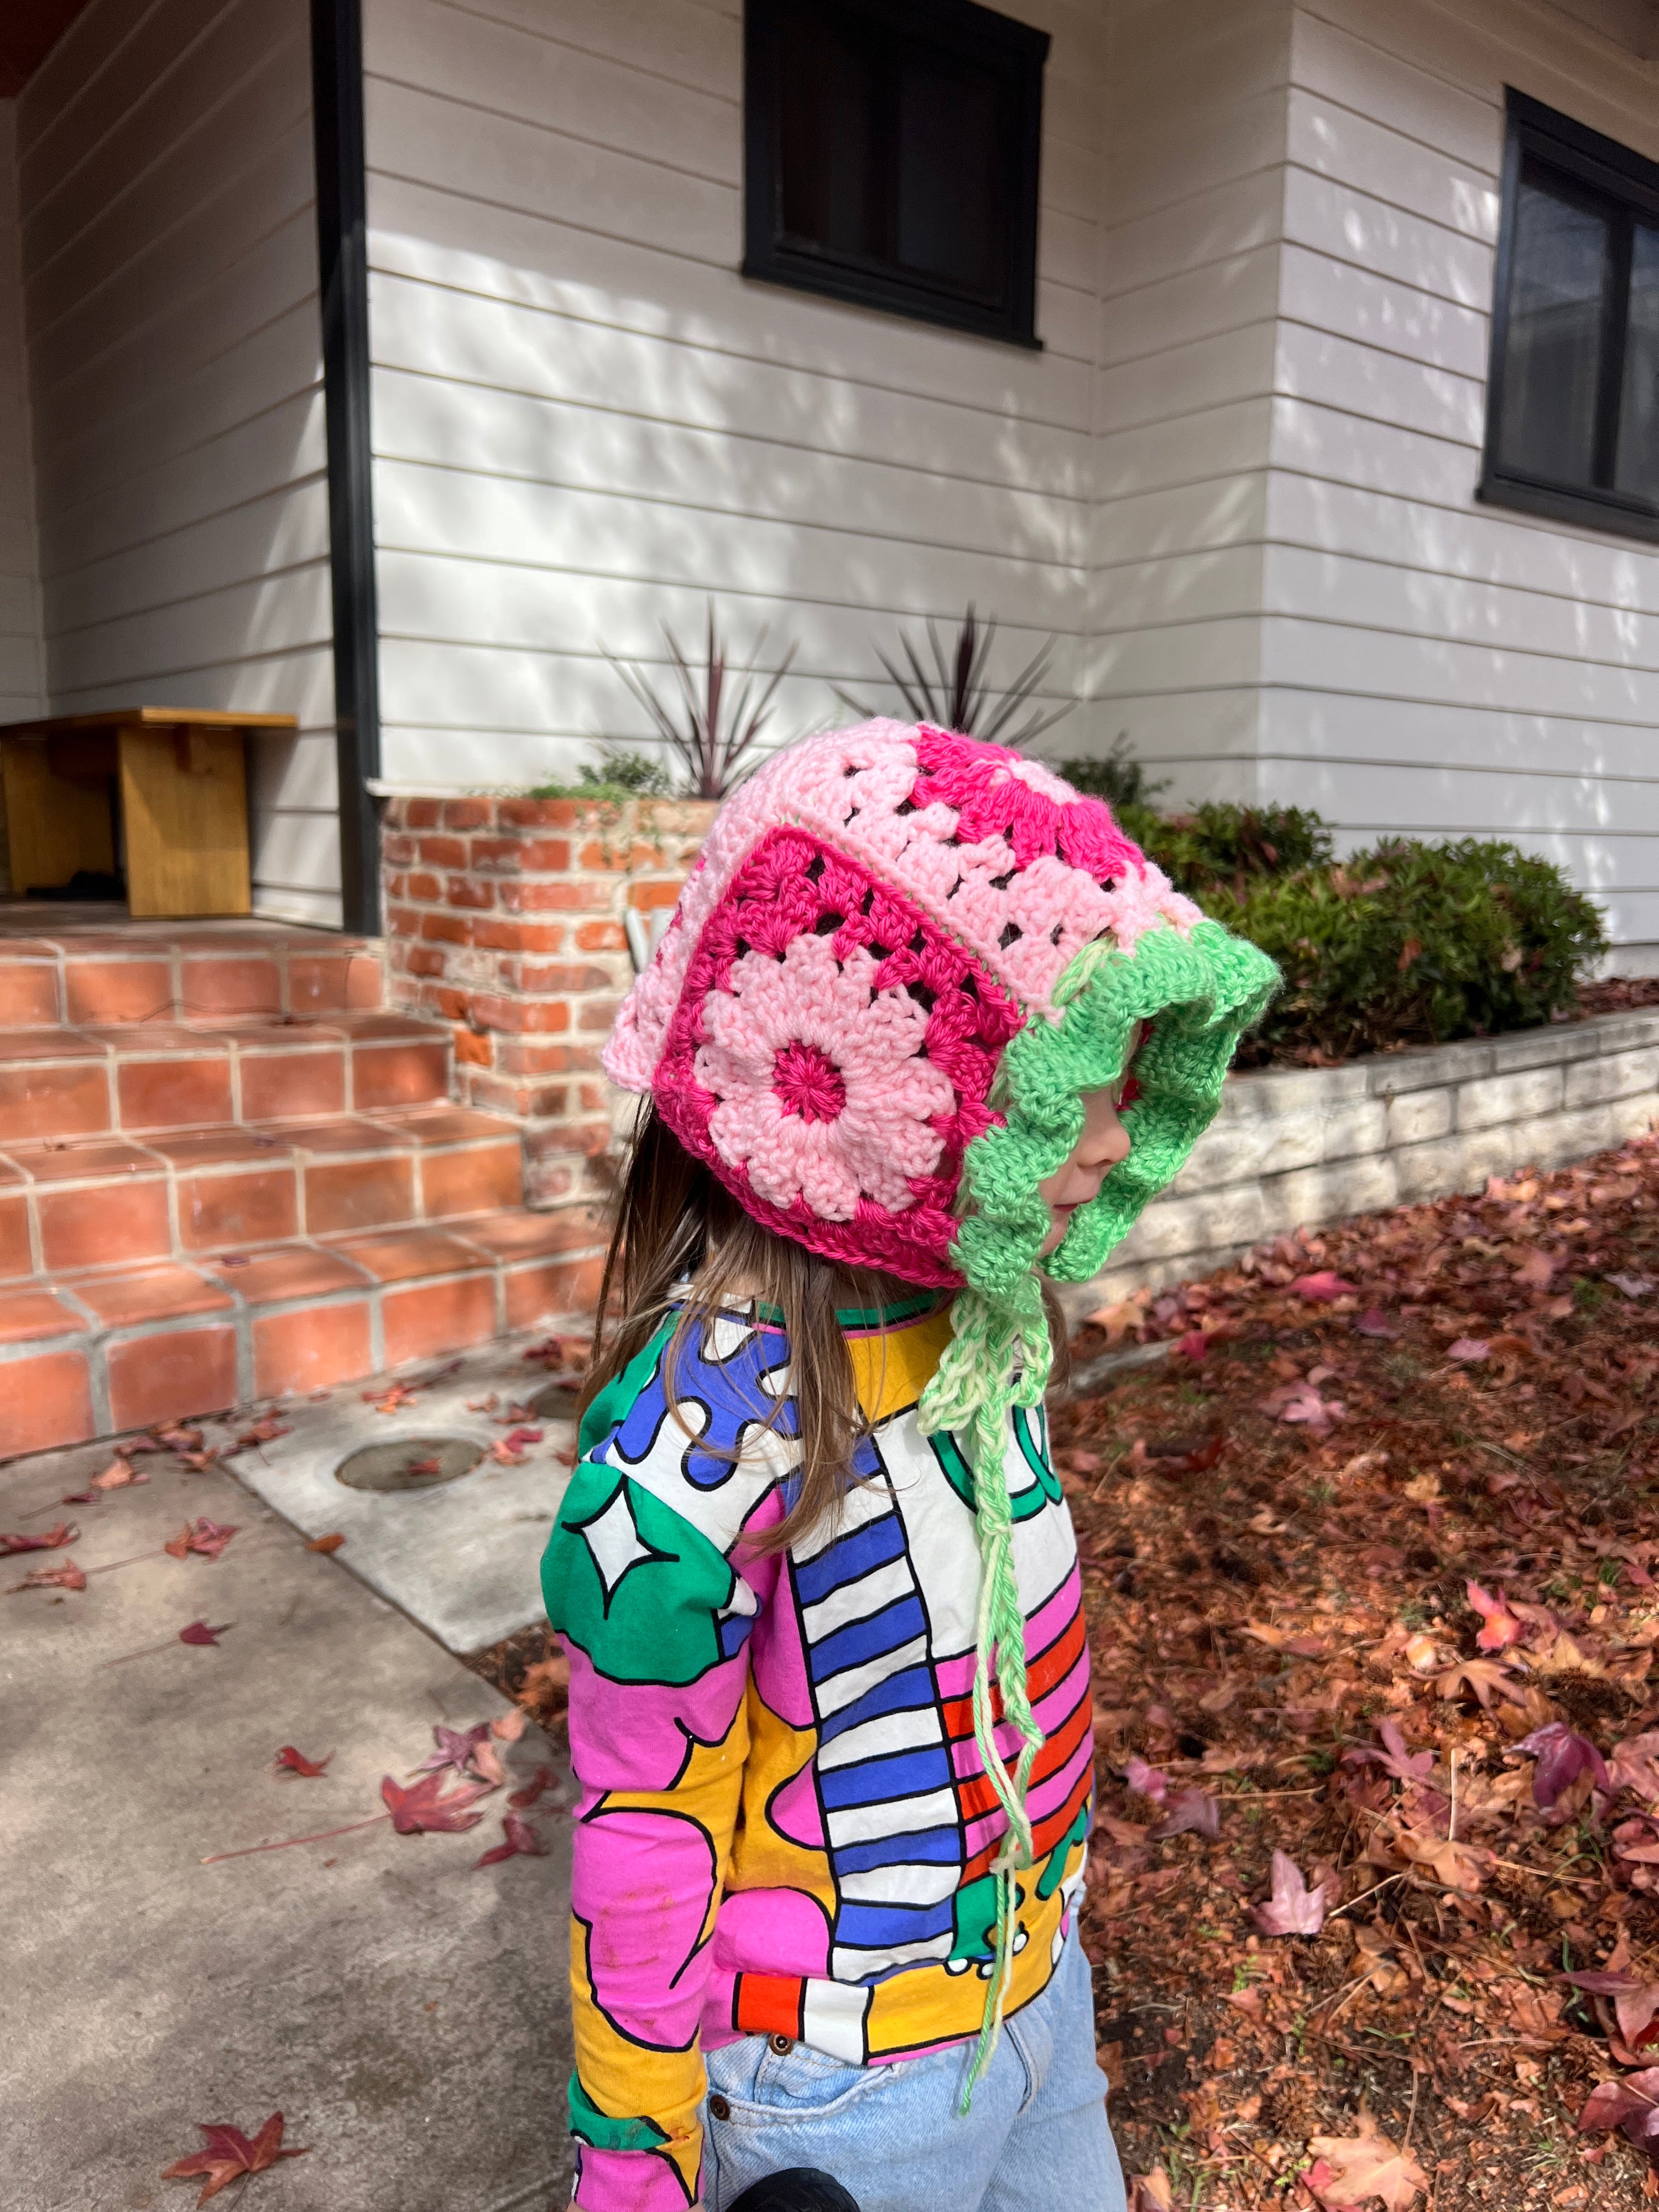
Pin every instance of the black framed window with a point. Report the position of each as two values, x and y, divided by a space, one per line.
1572 404
891 156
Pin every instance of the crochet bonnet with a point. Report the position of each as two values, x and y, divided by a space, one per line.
902 959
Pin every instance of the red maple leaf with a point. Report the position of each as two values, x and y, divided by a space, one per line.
1293 1908
389 1400
423 1806
207 1537
119 1471
227 2154
540 1782
521 1841
1395 1757
1374 1322
53 1540
1324 1288
64 1576
262 1432
1194 1811
178 1439
290 1761
456 1747
1500 1628
199 1632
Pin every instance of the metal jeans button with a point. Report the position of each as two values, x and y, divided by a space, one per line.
718 2109
781 2043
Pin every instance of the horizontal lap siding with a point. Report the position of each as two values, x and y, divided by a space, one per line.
1192 193
586 422
169 260
1430 666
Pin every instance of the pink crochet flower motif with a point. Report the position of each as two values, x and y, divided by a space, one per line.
821 1091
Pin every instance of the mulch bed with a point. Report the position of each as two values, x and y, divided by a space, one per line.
1284 1526
1619 995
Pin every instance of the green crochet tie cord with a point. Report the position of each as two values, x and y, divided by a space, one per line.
1198 993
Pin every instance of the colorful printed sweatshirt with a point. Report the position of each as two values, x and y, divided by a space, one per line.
784 1826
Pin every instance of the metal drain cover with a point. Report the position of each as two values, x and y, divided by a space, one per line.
409 1463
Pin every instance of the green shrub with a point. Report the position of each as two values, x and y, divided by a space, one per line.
1220 843
1405 944
1224 846
621 773
1120 779
1412 944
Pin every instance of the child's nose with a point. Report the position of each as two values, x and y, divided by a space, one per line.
1108 1149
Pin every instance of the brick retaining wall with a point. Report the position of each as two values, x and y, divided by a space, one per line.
505 917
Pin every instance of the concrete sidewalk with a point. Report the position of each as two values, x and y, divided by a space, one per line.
406 2012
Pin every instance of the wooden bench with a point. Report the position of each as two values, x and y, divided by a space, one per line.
157 792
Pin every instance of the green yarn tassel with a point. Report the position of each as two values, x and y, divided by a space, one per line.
1198 993
998 1357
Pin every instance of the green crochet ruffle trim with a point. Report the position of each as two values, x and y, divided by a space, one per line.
1198 993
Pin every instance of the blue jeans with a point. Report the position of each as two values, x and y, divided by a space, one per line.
1035 2141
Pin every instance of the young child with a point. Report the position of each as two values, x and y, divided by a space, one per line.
828 1676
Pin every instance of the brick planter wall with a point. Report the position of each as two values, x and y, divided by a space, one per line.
504 917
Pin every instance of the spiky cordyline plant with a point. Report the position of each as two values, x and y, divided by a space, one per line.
709 732
956 694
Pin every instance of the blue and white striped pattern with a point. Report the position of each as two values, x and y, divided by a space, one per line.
891 1819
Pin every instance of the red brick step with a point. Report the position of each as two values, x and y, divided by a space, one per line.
110 1200
96 1350
142 1076
227 1172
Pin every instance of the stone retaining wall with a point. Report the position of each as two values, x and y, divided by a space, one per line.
1293 1148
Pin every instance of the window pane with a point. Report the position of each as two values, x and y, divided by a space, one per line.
830 153
1638 466
954 133
1553 355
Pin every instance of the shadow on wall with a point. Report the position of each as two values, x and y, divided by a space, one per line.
567 467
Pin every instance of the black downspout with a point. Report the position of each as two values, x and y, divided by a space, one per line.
336 99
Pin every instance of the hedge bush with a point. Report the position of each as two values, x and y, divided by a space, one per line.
1408 943
1219 843
1405 943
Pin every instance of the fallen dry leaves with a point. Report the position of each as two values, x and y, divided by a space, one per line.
290 1761
1364 2168
51 1540
422 1808
522 1842
1402 1631
62 1574
208 1538
227 2154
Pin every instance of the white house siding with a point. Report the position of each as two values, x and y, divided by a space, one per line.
169 265
1192 186
585 421
19 582
1429 664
